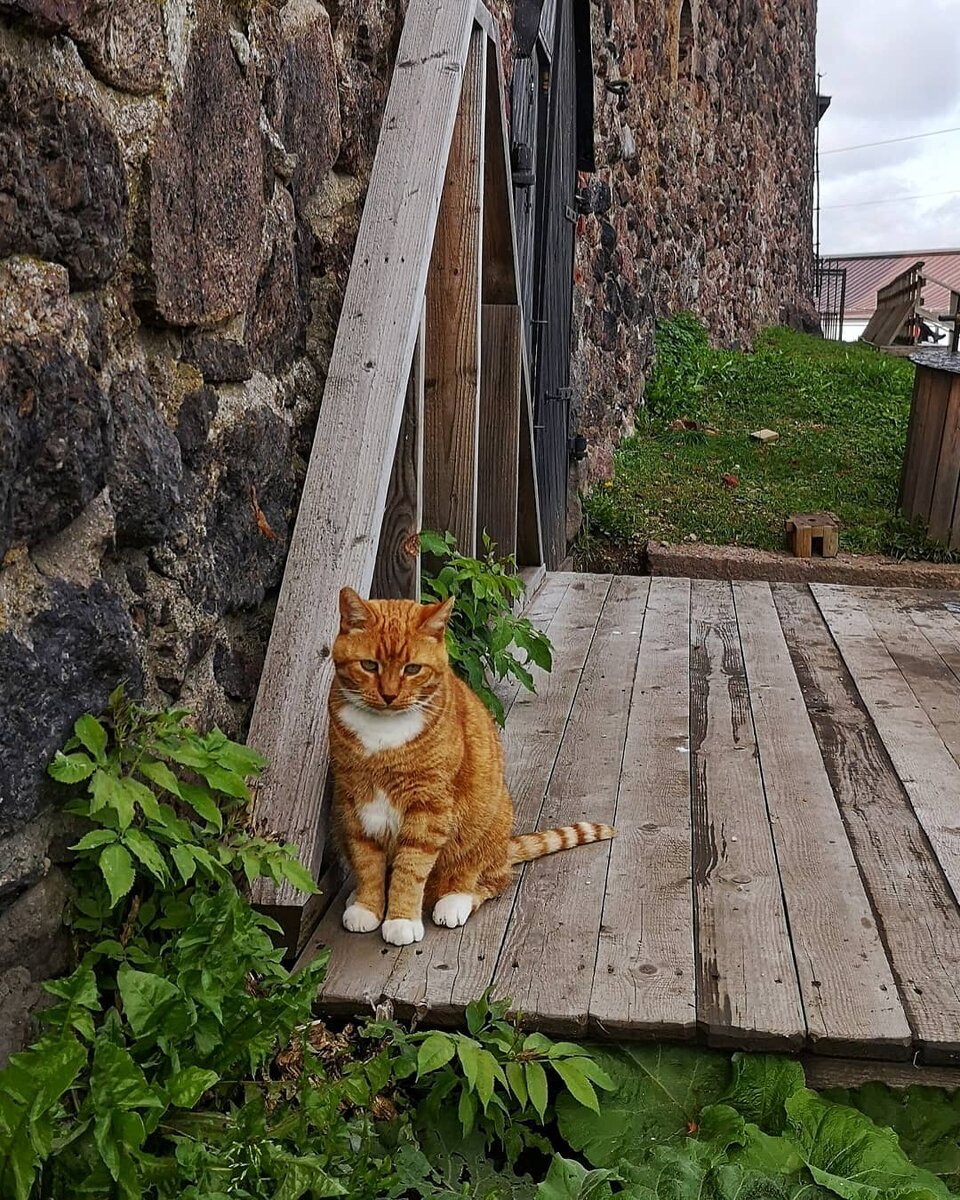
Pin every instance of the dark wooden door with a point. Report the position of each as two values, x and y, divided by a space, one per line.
545 147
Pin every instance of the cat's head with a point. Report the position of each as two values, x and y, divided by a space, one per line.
390 655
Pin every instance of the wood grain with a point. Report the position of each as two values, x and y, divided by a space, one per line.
501 349
645 974
940 623
452 374
560 900
925 766
944 513
850 1000
397 572
744 993
334 541
899 871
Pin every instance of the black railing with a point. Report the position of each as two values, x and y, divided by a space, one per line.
831 297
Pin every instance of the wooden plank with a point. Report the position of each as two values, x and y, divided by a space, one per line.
397 572
501 348
925 766
825 1073
548 956
916 433
849 996
334 541
939 618
423 976
744 997
944 514
645 976
452 380
915 910
931 401
928 676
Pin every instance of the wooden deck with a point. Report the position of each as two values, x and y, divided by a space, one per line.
783 767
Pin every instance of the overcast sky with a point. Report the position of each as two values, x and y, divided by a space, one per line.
893 69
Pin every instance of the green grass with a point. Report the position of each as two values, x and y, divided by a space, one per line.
841 412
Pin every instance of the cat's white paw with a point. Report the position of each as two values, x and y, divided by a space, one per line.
401 932
358 919
453 909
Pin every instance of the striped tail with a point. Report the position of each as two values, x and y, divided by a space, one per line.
548 841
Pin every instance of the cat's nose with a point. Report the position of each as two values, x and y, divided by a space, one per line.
388 699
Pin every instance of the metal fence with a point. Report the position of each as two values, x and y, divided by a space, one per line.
831 297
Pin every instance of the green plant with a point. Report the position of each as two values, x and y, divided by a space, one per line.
483 628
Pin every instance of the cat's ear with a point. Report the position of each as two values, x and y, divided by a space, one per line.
354 614
433 620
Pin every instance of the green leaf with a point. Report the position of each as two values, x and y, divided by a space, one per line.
95 838
846 1153
488 1071
160 774
536 1080
294 872
185 862
225 781
762 1084
433 543
435 1051
70 768
469 1054
240 759
144 995
569 1180
117 1082
146 850
658 1093
107 791
467 1111
187 1086
203 804
142 795
91 734
117 868
577 1084
516 1082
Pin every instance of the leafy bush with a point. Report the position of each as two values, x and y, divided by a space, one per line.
483 627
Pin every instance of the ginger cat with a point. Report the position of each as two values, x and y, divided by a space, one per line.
421 809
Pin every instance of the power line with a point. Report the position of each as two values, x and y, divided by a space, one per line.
894 199
913 137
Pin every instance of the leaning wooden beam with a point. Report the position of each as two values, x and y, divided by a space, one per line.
451 393
335 538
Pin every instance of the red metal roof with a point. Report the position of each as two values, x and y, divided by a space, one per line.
866 273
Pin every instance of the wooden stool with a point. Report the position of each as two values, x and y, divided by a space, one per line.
813 535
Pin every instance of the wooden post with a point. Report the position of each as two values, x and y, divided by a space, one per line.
501 349
397 573
451 388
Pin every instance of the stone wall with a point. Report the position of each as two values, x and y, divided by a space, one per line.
180 188
703 193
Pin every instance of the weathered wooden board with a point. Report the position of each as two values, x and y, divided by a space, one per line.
939 618
944 515
559 906
849 996
743 996
334 541
901 875
452 373
397 573
645 976
930 408
451 967
501 352
924 764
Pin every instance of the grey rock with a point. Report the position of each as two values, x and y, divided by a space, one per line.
31 928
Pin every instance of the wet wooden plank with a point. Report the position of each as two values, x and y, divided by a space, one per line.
924 764
645 975
939 618
747 991
449 968
547 961
901 874
850 1000
929 677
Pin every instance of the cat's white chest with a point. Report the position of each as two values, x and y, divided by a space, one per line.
379 818
382 730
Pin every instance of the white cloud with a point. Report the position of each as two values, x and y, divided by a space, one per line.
893 70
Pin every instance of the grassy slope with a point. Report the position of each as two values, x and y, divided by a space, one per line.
841 412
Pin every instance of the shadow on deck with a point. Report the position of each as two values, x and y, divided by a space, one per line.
783 766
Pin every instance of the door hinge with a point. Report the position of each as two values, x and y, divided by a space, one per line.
570 214
559 395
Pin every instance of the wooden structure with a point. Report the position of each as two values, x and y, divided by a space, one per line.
813 535
783 766
930 484
897 323
427 411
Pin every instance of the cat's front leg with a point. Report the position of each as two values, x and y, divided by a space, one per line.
368 861
425 829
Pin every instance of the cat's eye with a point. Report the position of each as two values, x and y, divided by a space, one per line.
412 669
369 665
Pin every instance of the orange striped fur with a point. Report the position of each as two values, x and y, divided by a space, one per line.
422 813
